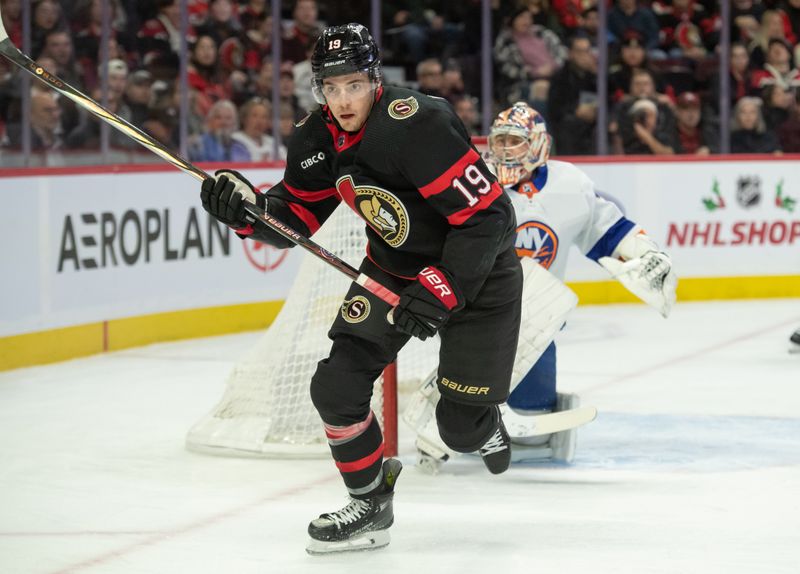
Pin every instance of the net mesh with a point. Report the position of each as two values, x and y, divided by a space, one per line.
266 408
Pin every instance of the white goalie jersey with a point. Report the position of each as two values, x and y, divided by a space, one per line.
558 208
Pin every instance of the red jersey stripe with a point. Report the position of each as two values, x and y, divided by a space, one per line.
459 217
361 463
311 196
305 216
445 180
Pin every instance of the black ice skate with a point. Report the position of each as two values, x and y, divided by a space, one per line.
362 524
496 453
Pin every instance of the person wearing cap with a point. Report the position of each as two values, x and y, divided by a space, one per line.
694 135
138 95
643 122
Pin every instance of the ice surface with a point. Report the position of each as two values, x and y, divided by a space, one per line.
693 465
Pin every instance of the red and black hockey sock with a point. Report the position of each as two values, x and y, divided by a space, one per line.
358 453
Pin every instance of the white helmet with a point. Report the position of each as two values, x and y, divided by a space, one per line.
518 143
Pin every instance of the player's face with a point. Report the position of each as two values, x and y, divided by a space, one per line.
510 148
350 99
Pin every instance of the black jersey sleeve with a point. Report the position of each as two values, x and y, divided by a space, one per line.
306 196
436 155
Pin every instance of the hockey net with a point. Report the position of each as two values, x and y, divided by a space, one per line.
266 408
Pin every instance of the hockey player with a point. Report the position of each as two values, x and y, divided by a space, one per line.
440 234
556 207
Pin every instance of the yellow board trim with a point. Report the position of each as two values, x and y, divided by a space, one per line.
55 345
71 342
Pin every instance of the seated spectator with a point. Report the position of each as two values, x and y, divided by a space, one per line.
791 10
629 15
778 69
47 133
466 109
745 18
741 81
12 20
789 131
305 28
258 44
771 28
749 131
453 82
632 56
216 142
302 82
47 17
572 105
204 74
778 101
430 78
58 46
139 95
628 128
221 22
88 132
252 143
694 135
252 13
571 13
681 24
527 55
288 119
162 33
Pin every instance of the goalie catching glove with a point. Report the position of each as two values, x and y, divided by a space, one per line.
223 197
427 303
644 270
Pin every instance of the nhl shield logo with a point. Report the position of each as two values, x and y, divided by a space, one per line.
404 108
748 191
356 309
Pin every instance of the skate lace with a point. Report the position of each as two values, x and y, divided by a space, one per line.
494 444
350 513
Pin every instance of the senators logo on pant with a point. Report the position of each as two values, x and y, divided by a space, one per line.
356 309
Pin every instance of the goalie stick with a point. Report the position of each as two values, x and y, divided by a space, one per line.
254 213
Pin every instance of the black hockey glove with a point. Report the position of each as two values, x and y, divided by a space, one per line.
223 197
427 303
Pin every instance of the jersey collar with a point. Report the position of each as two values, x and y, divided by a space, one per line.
534 184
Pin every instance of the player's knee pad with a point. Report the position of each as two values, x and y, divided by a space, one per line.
465 427
341 388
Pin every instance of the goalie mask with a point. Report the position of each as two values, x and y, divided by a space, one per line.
518 143
343 50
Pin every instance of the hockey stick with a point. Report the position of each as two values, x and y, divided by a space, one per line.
255 213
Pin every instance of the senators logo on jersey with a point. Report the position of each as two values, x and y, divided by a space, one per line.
381 209
538 241
405 108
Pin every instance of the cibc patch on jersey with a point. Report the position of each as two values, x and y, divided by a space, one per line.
403 108
538 241
356 309
380 208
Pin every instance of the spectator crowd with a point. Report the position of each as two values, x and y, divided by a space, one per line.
663 78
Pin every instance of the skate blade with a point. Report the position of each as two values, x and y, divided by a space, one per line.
366 541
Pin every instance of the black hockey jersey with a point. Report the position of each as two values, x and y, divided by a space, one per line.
413 175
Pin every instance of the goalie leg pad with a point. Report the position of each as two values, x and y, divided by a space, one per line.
546 303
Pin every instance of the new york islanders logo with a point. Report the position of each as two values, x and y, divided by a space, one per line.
404 108
381 209
538 241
